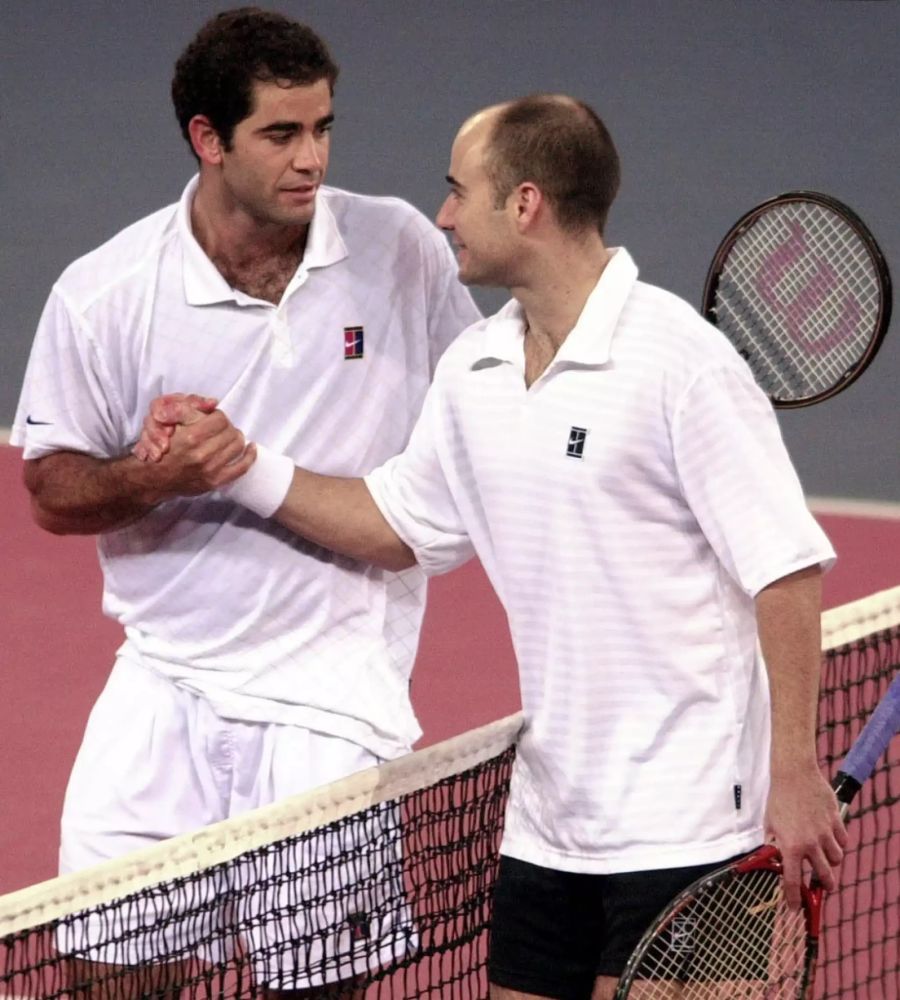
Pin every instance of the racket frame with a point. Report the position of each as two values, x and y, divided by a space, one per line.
857 766
711 285
764 858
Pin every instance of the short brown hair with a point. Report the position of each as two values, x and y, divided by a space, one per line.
215 74
562 146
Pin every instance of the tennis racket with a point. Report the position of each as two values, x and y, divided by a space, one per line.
730 934
801 289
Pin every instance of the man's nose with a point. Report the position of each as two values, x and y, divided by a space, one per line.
444 219
307 155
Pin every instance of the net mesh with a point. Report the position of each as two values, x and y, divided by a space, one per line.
799 297
380 887
731 935
860 948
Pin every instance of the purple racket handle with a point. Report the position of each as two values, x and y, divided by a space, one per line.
883 725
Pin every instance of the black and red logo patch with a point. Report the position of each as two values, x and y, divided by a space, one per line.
353 342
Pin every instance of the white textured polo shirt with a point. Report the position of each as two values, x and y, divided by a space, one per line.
627 508
264 625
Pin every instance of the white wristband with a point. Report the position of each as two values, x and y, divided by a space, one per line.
263 487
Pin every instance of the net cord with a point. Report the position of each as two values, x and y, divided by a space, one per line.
222 842
851 622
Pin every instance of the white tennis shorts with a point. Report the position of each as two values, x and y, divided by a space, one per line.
155 762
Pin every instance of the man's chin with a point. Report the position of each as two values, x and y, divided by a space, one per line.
482 279
468 275
294 219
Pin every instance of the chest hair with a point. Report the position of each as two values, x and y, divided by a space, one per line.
263 278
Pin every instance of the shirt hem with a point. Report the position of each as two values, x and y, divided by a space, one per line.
645 858
267 711
824 559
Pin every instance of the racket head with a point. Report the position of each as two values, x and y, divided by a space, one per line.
801 289
729 934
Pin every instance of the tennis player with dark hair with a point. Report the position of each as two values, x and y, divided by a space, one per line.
608 456
255 665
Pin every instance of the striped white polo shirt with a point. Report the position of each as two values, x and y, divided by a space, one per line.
235 608
627 508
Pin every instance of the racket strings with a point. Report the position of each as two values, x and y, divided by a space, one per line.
849 269
799 296
735 939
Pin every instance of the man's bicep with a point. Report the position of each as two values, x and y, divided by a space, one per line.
62 479
54 470
56 485
31 474
77 494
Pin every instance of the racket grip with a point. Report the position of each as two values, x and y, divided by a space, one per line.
872 742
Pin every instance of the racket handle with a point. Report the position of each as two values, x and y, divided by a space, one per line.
871 743
845 789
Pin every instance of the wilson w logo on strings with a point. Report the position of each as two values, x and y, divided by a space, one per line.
801 299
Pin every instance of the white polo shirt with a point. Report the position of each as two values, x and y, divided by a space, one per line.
237 609
627 508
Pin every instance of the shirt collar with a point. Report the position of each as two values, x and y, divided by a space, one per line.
590 339
203 282
325 244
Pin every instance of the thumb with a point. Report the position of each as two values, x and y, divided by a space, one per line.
206 404
174 409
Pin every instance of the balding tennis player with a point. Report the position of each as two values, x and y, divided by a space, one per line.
255 665
607 455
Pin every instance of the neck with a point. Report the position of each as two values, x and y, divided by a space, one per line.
561 280
227 232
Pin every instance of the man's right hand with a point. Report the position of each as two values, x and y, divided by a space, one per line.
191 446
165 414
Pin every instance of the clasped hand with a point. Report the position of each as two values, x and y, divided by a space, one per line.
194 444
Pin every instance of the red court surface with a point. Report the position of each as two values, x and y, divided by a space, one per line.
57 649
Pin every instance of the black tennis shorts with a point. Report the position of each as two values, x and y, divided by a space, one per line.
554 932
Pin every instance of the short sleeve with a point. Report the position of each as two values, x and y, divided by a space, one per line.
67 401
413 493
738 480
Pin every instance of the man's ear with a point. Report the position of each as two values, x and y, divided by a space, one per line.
205 140
527 202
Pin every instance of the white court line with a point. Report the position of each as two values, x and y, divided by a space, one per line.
879 509
886 510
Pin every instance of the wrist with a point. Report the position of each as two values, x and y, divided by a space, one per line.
264 486
140 482
797 767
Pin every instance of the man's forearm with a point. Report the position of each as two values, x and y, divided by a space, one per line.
73 493
802 815
335 512
788 619
340 514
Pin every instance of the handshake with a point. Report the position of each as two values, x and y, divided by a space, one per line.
194 448
201 428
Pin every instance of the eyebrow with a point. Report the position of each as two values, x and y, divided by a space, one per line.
289 126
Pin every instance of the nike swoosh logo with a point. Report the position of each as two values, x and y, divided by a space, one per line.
37 423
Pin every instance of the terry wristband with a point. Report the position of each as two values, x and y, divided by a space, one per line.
264 486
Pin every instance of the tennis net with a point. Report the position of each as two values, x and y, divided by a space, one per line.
860 948
379 884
